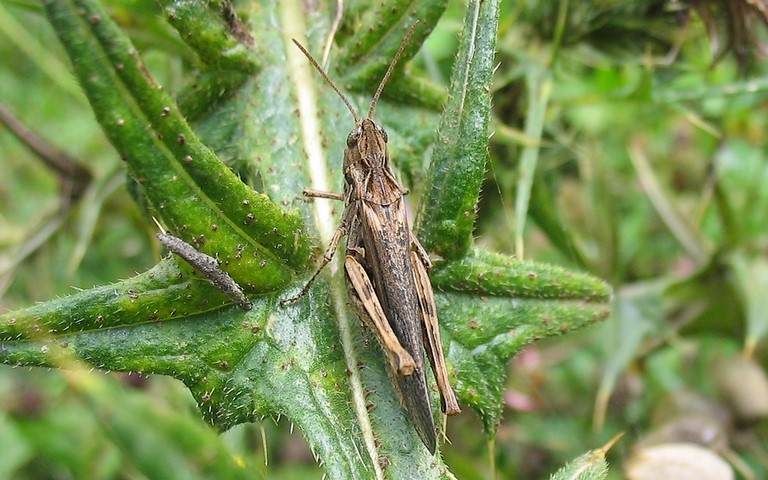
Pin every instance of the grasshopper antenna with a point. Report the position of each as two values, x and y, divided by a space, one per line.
392 65
327 79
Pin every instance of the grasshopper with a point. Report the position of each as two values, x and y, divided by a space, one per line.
386 267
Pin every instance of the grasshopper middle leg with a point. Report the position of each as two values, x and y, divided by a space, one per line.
332 247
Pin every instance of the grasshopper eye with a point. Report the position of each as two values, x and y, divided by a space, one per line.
353 137
382 132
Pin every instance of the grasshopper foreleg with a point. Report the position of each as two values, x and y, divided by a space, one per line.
308 192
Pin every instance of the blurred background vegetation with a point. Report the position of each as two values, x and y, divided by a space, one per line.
639 127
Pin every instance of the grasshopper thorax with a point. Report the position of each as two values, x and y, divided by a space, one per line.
366 164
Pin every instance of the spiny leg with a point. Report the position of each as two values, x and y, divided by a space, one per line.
421 252
432 341
327 257
332 247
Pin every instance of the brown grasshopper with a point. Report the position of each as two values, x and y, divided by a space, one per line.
386 267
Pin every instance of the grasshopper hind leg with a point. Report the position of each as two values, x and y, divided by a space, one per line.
431 329
407 375
368 308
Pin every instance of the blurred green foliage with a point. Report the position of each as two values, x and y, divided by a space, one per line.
650 172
